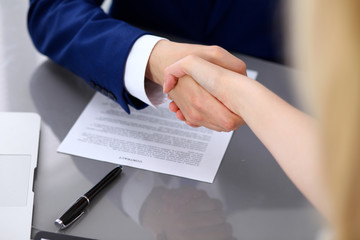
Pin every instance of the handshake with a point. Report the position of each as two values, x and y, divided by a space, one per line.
200 81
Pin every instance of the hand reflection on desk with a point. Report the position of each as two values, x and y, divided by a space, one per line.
184 213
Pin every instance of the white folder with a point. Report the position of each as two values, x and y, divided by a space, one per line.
19 144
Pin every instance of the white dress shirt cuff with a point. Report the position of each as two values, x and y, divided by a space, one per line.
135 67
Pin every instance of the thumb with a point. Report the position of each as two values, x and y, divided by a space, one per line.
203 72
175 71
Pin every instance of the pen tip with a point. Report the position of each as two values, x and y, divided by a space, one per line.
59 224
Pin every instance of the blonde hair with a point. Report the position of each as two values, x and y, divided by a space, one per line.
326 39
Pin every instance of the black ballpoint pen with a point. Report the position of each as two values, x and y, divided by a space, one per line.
78 208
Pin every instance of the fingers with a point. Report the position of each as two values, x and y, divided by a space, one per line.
219 56
185 66
175 71
180 116
200 108
190 64
173 107
210 76
202 71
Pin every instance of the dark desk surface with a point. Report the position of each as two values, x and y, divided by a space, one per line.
257 200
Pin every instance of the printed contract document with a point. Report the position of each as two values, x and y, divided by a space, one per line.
151 139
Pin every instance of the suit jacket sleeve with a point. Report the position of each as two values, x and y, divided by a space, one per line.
80 36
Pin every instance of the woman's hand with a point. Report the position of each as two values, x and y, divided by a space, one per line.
192 103
218 81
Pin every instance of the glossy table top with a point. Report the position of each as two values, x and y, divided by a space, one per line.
251 197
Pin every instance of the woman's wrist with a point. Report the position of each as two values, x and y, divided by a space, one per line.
233 91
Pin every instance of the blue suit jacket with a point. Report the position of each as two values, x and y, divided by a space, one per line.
78 35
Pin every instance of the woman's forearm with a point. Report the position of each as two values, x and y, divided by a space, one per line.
289 134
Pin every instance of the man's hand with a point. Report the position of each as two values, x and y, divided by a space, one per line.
192 103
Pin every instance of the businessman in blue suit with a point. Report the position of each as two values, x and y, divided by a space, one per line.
116 55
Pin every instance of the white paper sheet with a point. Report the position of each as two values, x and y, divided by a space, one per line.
151 139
